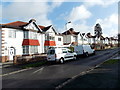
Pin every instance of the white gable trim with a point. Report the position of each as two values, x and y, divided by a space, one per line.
32 26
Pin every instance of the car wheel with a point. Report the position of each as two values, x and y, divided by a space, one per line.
61 61
75 57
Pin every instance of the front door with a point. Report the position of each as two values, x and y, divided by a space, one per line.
11 53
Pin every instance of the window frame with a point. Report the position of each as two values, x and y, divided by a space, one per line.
12 33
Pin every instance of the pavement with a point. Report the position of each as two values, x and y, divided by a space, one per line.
103 76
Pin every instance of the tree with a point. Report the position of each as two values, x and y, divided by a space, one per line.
98 30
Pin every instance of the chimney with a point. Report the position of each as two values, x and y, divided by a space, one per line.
32 20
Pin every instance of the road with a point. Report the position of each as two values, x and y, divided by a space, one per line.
53 75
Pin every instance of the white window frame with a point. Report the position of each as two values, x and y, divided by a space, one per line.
25 49
12 34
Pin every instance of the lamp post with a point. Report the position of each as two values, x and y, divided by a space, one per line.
66 29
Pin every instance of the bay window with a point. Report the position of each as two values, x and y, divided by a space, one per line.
30 49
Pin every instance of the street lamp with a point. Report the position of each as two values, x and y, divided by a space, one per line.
67 23
66 29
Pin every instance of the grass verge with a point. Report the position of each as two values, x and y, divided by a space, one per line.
111 61
37 64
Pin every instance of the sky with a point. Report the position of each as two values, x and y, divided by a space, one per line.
83 14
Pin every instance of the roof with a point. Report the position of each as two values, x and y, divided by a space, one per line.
44 28
16 24
102 38
20 25
70 32
41 27
90 36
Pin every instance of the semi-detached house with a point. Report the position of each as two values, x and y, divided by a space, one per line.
26 38
71 37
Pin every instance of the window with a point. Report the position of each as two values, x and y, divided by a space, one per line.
51 52
59 39
47 37
64 51
70 51
30 35
12 34
74 38
25 49
26 34
33 35
33 49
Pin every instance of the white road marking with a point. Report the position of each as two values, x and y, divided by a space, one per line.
15 72
38 70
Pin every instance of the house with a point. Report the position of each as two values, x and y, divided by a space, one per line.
113 41
52 38
74 38
70 37
91 38
26 39
20 38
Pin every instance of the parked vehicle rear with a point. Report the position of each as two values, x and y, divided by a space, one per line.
85 50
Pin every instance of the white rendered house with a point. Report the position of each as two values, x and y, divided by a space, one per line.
26 39
20 38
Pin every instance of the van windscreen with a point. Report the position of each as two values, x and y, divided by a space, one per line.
51 52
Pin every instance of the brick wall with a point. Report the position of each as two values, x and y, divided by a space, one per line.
27 59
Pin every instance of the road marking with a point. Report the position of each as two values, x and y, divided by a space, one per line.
80 74
72 78
38 70
16 72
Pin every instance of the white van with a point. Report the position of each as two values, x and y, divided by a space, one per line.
84 50
60 54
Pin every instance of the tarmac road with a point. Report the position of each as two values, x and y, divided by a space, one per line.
53 75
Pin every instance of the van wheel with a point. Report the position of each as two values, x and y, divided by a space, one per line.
61 60
94 53
86 54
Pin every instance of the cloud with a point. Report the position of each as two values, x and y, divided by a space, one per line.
109 25
26 10
79 13
103 3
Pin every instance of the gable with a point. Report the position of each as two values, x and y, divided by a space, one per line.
32 26
51 30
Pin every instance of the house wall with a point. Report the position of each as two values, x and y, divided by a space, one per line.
80 41
14 42
59 43
41 39
50 32
67 39
31 26
74 38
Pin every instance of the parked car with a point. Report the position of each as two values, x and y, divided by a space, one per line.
85 50
60 54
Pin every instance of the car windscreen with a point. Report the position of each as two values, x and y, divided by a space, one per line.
51 52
